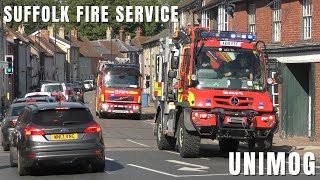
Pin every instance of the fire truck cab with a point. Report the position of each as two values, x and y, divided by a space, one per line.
214 86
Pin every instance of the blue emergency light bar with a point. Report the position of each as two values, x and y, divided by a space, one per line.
229 35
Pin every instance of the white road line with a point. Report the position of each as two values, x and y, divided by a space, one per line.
152 170
205 158
172 152
137 143
109 159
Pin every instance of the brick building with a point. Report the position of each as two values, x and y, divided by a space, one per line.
291 30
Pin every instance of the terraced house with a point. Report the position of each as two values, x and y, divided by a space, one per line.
292 32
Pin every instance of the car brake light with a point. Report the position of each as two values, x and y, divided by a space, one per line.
94 128
14 123
32 131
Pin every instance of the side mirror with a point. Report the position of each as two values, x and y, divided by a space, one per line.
175 62
270 81
147 84
172 74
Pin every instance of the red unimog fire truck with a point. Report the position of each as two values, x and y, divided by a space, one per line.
118 90
213 85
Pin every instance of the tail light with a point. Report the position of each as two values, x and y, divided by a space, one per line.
32 131
94 128
14 123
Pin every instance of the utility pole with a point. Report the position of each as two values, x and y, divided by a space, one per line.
2 53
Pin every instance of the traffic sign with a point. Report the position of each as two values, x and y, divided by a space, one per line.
3 64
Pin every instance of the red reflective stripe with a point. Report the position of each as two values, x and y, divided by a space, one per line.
155 93
159 84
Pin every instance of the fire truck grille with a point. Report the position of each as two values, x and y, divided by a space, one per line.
226 100
121 98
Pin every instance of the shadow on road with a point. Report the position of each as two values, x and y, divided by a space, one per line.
213 151
4 167
67 170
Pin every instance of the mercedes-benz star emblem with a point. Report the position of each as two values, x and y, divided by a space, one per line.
234 101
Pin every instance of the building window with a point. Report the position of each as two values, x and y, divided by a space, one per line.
252 18
205 20
275 93
276 20
307 18
222 18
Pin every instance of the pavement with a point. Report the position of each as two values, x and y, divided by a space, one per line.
132 154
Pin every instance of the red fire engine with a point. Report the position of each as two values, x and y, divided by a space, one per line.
118 90
213 85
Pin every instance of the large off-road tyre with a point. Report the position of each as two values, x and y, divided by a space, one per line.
188 141
22 171
164 142
229 145
6 147
261 144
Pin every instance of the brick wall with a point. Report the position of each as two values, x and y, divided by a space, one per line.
316 20
241 18
317 102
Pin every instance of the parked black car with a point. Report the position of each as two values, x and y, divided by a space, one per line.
9 122
51 134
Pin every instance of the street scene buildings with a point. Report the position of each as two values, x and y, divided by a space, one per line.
290 29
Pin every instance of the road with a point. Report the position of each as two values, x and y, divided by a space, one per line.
132 154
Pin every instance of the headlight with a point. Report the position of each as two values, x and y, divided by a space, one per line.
105 106
136 108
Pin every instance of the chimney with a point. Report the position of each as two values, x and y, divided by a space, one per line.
74 32
138 32
61 32
44 34
108 33
21 29
128 40
50 29
121 34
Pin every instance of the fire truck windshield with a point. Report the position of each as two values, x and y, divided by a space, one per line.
121 81
229 68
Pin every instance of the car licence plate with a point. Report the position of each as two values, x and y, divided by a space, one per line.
120 111
61 137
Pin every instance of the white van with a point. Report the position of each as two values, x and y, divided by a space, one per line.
55 87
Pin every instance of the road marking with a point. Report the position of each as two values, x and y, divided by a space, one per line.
109 159
137 143
195 167
172 152
149 121
152 170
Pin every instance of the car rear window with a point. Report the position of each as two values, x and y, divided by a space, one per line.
53 88
60 117
38 96
17 110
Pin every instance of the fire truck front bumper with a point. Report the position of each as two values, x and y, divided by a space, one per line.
236 125
112 108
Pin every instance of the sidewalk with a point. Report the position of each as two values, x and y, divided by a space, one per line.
149 112
300 145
